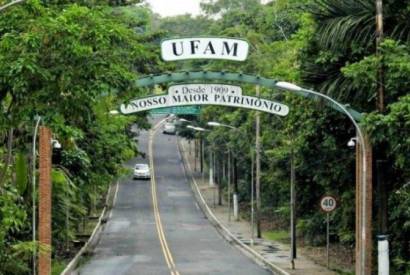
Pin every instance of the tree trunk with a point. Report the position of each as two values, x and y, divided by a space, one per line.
9 156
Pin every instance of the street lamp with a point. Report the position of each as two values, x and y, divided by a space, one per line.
184 120
199 129
114 112
11 4
217 124
195 147
235 195
56 145
352 142
33 192
361 139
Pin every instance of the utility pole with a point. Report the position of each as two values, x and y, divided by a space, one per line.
258 171
252 202
382 196
379 40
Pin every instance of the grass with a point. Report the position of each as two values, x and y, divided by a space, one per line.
89 226
276 235
58 266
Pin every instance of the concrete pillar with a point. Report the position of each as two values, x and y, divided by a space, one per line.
235 207
383 255
211 169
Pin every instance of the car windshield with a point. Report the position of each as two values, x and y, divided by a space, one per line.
141 167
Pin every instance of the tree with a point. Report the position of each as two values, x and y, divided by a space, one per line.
71 64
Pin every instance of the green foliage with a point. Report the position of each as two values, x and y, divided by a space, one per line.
70 62
73 61
13 219
399 204
396 60
345 34
341 60
393 128
21 173
329 46
57 267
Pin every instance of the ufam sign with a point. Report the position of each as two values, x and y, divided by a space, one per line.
204 48
204 94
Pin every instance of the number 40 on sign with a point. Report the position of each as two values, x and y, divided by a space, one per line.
328 203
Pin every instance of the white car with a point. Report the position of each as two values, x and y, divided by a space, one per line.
142 171
169 128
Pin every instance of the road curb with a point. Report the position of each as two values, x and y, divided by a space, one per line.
226 234
73 264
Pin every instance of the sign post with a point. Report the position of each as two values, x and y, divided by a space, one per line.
327 204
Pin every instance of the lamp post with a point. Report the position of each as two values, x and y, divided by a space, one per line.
47 144
252 200
11 4
235 195
183 120
33 192
363 243
199 129
195 146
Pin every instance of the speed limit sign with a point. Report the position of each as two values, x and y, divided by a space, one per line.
328 203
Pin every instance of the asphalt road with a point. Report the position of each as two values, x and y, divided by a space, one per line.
156 226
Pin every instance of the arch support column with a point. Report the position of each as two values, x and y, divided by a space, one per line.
44 232
364 234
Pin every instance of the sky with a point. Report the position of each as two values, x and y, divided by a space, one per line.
175 7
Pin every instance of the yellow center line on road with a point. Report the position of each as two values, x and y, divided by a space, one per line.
161 235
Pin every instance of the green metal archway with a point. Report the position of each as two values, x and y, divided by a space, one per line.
363 151
234 77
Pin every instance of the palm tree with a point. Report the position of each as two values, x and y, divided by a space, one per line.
346 32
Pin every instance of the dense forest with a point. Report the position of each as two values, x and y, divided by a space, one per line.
71 62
